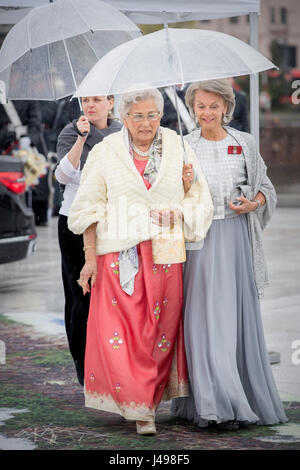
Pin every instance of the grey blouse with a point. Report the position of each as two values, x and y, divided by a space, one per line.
225 172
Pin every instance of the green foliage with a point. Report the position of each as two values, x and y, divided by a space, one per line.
151 28
276 53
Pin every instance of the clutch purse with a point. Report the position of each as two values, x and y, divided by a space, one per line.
169 248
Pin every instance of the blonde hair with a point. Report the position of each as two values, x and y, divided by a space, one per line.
221 87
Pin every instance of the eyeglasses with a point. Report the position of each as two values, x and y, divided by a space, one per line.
137 117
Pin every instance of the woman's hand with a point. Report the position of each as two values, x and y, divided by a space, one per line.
163 218
83 126
187 176
245 206
89 271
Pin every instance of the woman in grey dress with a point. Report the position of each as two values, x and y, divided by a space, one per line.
231 381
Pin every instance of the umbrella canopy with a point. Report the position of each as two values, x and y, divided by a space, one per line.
171 56
150 11
48 52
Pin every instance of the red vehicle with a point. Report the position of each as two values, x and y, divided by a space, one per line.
17 228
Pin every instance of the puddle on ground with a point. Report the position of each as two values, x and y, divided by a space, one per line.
13 443
286 433
43 323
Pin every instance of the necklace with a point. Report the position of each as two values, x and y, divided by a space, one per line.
140 153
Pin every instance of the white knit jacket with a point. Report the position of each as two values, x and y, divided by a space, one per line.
112 193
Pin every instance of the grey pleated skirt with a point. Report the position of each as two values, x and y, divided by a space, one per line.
229 370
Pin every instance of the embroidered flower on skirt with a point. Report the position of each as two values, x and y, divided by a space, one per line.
116 341
154 268
157 310
115 267
164 343
166 267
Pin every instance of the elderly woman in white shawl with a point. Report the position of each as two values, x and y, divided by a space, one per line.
135 353
231 381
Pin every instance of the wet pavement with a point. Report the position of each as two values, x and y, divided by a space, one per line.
41 403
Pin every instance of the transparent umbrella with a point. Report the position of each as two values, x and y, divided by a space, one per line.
47 54
171 56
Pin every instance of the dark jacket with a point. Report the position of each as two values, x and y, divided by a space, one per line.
30 115
169 118
240 115
68 136
55 116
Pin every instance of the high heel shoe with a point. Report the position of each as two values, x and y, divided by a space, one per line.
145 427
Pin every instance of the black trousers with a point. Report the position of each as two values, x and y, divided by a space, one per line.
76 304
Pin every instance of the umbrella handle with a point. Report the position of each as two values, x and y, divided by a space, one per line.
82 134
185 159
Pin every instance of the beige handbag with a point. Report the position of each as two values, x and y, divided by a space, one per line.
169 248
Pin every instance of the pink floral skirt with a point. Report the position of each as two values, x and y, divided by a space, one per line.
135 353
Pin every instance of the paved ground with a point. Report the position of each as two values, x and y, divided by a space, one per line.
41 403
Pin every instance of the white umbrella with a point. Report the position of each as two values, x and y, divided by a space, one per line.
48 52
171 56
151 11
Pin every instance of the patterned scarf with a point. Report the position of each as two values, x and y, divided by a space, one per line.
128 259
154 160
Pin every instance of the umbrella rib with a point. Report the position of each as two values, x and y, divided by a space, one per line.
70 63
30 51
81 16
87 40
124 59
239 55
177 53
50 74
28 35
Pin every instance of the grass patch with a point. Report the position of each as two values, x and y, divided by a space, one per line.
7 321
43 410
45 357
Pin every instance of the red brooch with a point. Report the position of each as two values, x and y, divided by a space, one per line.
234 149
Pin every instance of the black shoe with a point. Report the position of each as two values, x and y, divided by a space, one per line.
244 424
228 425
42 224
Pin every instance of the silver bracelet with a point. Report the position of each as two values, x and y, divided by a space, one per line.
258 202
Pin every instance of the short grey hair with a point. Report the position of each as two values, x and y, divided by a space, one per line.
221 87
132 97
